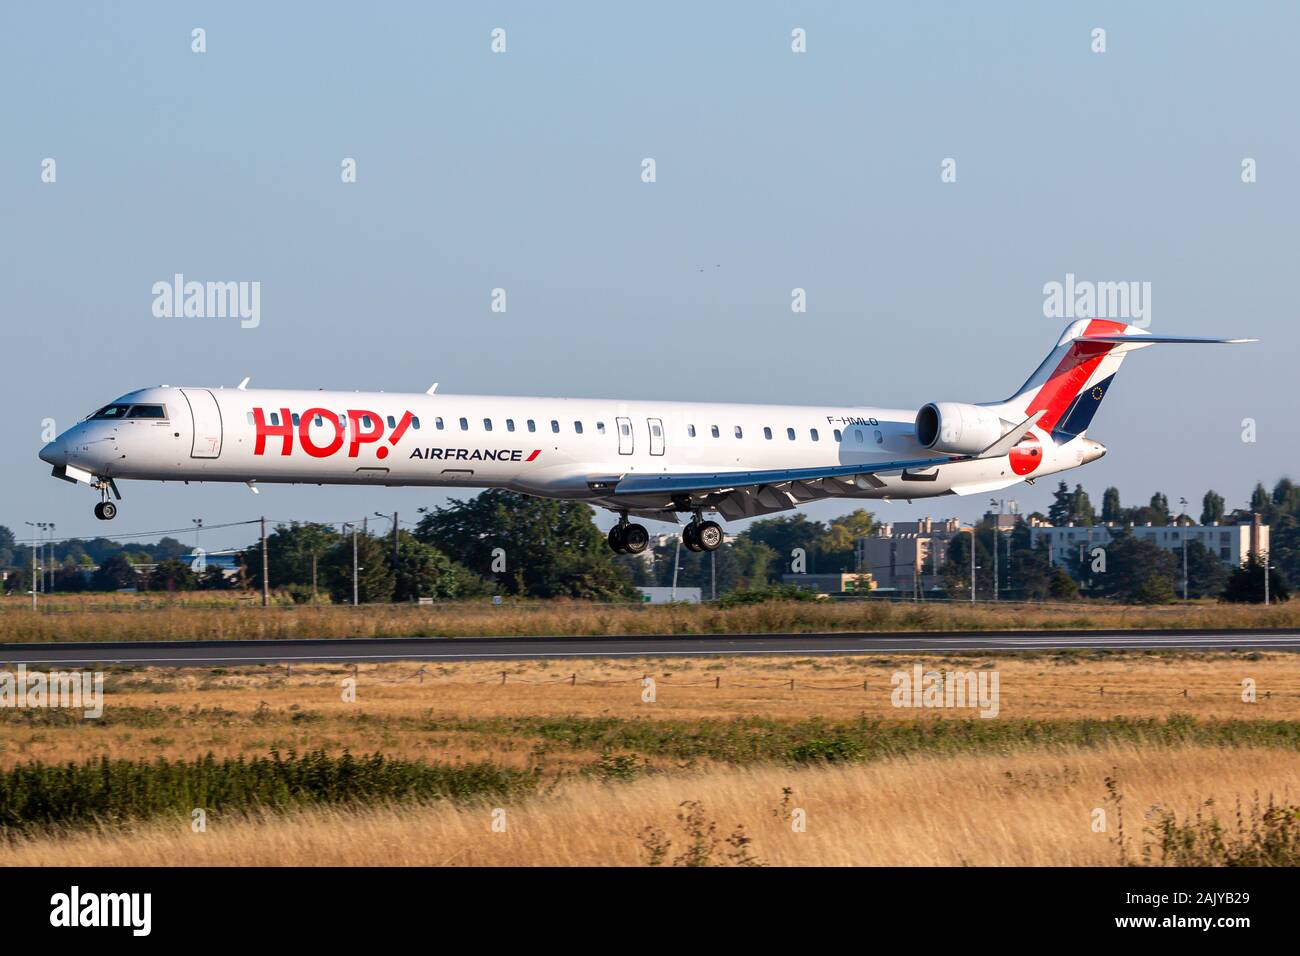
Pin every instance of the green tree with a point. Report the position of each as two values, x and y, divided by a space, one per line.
1246 583
1212 508
290 551
786 533
1081 510
1062 507
1111 509
114 573
1206 574
374 572
1137 571
529 546
172 574
424 571
837 548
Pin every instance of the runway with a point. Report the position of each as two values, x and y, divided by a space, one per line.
361 650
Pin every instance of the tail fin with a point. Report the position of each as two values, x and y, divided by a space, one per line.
1076 375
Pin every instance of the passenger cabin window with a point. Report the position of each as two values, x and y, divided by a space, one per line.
295 419
739 433
147 411
532 425
437 423
813 433
767 433
624 428
789 433
319 420
690 430
365 420
555 426
714 431
600 428
657 429
487 424
392 422
111 411
275 418
880 439
510 424
839 437
464 424
577 427
857 433
415 422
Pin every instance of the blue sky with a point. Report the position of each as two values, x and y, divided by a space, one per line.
522 170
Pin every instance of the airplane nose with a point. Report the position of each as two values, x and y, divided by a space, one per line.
56 452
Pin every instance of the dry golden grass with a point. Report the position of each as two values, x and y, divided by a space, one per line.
181 713
146 617
1030 809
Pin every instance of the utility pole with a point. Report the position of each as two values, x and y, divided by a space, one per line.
997 533
1183 535
32 525
356 585
266 582
972 564
1266 595
713 575
677 559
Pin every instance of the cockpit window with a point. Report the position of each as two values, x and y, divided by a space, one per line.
111 411
147 411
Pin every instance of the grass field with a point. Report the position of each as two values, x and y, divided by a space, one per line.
1029 808
582 769
189 617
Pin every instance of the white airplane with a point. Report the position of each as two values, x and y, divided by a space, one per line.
644 459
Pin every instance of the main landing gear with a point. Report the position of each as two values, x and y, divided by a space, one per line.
625 538
702 535
106 510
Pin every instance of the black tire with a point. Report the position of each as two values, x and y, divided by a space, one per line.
689 539
635 538
615 539
709 535
99 511
107 510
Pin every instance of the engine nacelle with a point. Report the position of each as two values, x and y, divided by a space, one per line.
958 429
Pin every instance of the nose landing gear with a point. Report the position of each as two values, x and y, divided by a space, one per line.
106 510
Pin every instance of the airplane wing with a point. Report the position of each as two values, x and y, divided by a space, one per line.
724 481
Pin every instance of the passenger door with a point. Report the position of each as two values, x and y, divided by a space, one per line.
207 423
625 440
656 426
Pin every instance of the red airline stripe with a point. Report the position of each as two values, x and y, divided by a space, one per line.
535 453
1072 373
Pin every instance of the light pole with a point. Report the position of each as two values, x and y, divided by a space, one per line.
380 514
32 525
1183 534
997 533
198 526
355 583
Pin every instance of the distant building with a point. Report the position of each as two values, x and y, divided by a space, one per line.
908 556
1229 543
651 595
845 582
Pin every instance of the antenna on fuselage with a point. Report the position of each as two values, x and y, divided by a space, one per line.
244 384
432 388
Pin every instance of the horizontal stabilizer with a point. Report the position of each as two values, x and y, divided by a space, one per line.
1155 339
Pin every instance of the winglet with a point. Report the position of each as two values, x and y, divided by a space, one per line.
1012 438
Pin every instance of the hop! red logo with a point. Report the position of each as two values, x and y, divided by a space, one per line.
363 428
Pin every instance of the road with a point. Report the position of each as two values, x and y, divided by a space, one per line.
349 650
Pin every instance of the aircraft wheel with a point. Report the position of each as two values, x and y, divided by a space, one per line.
689 538
616 539
709 535
106 511
635 538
